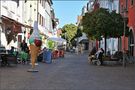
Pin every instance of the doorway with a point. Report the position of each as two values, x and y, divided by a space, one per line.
131 42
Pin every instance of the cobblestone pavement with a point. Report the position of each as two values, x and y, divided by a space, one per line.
69 73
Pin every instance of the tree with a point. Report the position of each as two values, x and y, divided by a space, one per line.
68 32
78 34
89 25
117 26
102 23
97 23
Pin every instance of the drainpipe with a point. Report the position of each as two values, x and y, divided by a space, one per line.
0 27
37 10
124 52
0 24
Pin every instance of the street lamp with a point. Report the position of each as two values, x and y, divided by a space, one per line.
124 11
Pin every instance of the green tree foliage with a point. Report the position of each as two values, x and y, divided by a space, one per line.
103 23
97 23
78 33
117 26
88 25
69 31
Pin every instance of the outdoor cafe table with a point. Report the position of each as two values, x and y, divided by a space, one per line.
8 59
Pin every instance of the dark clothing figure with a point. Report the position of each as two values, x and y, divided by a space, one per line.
93 51
92 54
24 47
102 50
11 50
99 55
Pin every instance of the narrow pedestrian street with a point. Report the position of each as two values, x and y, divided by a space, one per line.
69 73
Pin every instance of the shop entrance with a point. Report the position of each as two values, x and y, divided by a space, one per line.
131 42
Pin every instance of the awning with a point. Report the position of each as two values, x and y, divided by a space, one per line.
84 41
83 37
12 28
57 39
15 22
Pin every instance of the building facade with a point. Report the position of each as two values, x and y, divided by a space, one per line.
127 9
44 16
90 5
11 22
29 15
17 19
110 4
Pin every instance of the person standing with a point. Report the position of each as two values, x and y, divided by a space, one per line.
76 49
12 50
24 46
24 52
44 54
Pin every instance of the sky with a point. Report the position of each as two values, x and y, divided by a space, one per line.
68 10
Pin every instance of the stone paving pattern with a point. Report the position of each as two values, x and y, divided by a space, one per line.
69 73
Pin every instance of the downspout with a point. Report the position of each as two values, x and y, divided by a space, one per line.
37 10
0 23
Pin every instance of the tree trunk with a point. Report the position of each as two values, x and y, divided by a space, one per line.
105 44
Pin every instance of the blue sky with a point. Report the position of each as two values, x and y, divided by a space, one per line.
68 10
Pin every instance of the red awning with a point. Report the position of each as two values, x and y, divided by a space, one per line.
12 28
15 22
